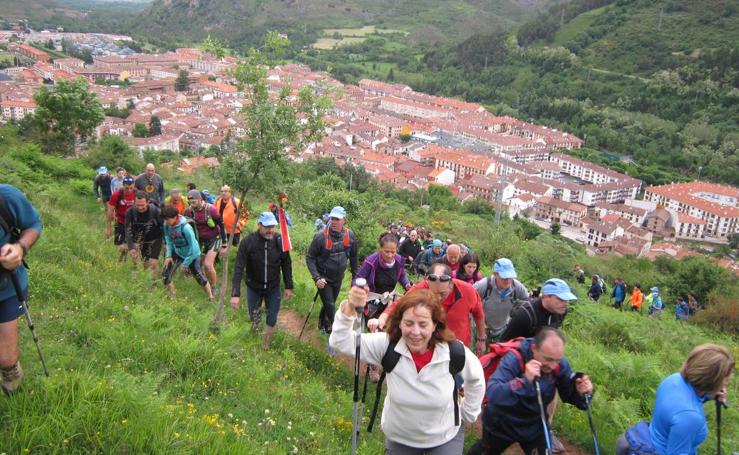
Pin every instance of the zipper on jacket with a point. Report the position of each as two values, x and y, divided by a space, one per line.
265 265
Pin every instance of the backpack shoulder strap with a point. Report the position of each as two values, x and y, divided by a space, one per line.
347 239
456 364
488 287
389 360
7 220
529 309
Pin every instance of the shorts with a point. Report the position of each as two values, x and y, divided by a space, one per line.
11 308
151 249
195 269
119 234
209 245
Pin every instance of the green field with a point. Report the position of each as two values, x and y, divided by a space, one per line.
577 25
334 37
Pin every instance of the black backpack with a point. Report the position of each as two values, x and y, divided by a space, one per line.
390 359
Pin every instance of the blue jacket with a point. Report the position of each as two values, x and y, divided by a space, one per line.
678 423
513 408
181 239
619 292
26 217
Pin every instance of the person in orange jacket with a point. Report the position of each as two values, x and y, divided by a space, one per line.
636 298
226 205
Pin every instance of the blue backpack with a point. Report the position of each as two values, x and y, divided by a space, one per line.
640 442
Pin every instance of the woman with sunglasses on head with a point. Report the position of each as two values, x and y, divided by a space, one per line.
419 414
459 300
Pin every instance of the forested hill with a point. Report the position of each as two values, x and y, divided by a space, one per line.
241 22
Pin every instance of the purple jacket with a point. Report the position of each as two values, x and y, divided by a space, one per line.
370 265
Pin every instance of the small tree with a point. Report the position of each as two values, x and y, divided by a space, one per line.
555 228
272 128
155 126
66 114
213 46
139 130
390 76
182 83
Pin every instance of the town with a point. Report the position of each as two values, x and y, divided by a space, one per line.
404 138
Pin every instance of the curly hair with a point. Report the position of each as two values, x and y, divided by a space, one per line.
426 299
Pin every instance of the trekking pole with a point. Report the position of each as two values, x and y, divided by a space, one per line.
719 404
31 327
543 417
356 417
589 403
310 310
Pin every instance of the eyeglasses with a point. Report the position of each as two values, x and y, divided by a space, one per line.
442 278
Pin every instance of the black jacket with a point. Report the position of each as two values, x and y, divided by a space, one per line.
262 260
331 264
528 318
143 227
409 248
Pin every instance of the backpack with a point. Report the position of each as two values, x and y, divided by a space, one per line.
346 240
390 359
640 442
191 216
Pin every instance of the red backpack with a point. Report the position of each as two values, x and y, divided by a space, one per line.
491 360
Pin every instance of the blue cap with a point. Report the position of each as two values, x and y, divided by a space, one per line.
267 219
206 192
102 170
338 212
654 289
128 180
504 268
558 288
437 243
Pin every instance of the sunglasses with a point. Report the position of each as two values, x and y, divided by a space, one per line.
442 278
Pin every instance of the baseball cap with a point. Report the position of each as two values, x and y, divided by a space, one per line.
102 170
558 288
437 243
338 212
504 268
128 180
654 289
194 194
267 219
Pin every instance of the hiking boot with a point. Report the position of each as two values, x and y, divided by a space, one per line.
12 378
256 319
557 446
267 337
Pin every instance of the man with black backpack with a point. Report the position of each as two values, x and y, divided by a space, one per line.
327 260
500 293
20 228
260 260
144 232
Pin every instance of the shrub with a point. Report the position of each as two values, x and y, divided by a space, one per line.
721 314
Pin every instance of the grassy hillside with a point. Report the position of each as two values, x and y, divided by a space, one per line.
133 372
13 10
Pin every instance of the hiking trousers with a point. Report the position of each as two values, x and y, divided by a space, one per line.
328 294
496 444
453 447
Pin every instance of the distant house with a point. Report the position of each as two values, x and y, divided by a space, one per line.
559 211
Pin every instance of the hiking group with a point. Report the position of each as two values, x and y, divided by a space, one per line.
454 346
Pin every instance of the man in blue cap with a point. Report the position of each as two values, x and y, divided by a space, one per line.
427 257
547 311
101 187
500 293
260 260
327 260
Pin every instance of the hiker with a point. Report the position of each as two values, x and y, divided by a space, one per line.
500 293
116 183
207 197
512 414
452 257
679 423
618 293
636 298
120 202
327 259
182 250
419 413
410 248
654 302
428 257
321 223
529 318
384 269
693 304
175 200
459 300
144 231
152 183
20 228
260 260
226 205
596 289
101 185
469 269
428 241
682 311
579 274
211 233
393 230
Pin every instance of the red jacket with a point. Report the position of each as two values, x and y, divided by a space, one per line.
459 304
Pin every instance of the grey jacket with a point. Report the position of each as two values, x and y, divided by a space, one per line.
497 311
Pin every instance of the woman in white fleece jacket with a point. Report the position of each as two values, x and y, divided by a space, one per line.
418 413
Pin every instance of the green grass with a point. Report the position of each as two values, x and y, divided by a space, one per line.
579 24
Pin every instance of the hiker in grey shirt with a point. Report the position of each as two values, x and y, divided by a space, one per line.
152 183
500 293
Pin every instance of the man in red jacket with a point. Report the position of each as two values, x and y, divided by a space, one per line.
460 300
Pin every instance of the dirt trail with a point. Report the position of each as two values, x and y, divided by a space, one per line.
291 322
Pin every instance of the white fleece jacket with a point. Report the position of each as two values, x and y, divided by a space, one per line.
418 410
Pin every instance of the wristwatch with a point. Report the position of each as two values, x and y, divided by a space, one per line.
23 247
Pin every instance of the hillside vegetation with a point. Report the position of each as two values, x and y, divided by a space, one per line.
133 372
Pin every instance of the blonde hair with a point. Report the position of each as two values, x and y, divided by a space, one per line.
707 366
